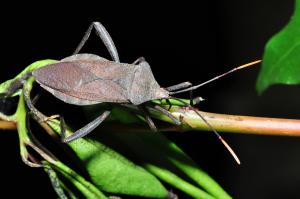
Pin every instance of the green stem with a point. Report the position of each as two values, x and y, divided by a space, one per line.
26 139
85 187
7 117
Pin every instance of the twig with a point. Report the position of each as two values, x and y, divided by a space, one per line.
237 123
8 125
221 122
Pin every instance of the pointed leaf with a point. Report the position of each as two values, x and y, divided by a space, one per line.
113 173
157 149
281 60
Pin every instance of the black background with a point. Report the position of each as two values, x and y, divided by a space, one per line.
182 42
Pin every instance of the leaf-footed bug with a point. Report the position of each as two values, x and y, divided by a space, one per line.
86 79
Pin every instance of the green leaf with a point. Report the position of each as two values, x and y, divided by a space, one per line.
113 173
158 150
173 179
281 60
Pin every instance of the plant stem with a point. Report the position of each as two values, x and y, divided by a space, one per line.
6 125
221 122
236 123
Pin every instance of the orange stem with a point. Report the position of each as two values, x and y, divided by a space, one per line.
221 122
240 124
255 125
7 125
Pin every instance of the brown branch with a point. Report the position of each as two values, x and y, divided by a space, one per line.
246 124
7 125
221 122
234 123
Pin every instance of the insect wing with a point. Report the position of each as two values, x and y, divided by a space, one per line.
101 81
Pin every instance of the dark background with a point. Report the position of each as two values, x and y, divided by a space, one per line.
182 42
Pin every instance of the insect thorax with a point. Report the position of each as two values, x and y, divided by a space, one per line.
144 86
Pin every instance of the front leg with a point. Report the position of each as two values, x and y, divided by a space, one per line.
36 113
180 86
77 134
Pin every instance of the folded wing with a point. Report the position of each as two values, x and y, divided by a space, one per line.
89 81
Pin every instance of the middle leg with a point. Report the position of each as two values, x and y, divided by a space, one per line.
150 122
104 36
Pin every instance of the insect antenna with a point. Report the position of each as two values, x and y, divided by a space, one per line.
215 78
226 145
178 89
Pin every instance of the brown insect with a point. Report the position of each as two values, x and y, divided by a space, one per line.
85 79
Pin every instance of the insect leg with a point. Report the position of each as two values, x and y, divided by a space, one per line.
87 128
179 86
62 126
139 60
104 36
36 113
182 85
169 103
148 118
191 98
15 85
30 160
172 195
167 113
197 100
36 146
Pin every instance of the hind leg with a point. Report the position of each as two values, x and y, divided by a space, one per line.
84 130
